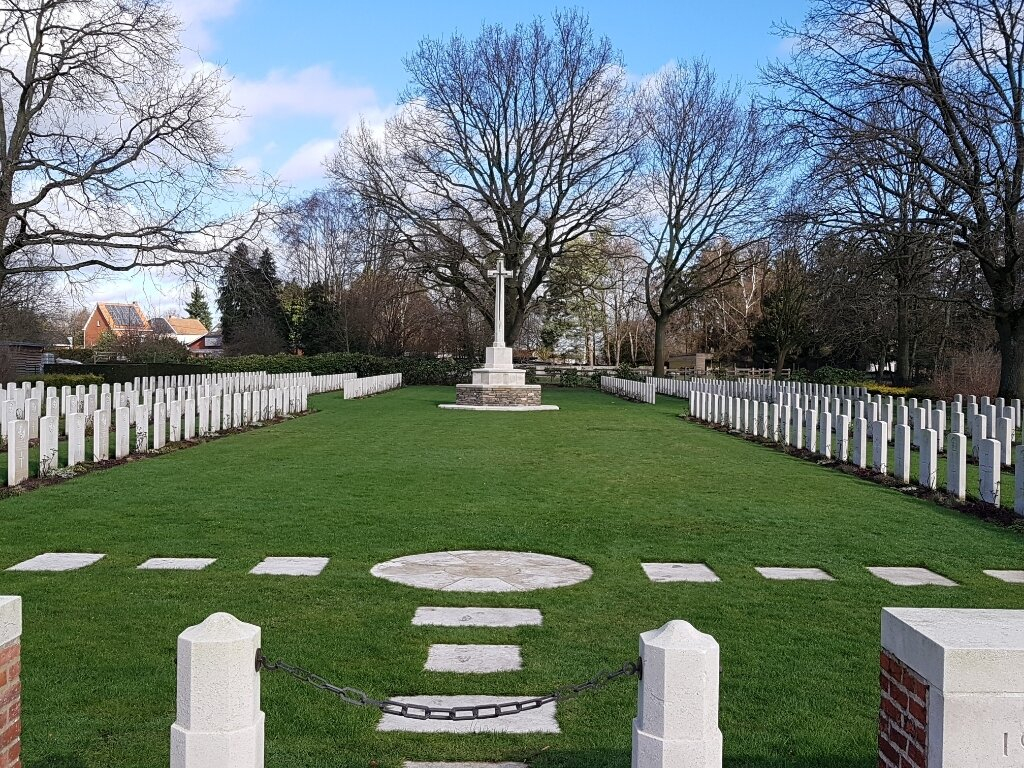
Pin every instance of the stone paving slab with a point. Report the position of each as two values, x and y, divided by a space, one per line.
540 720
58 561
410 764
795 574
473 659
291 566
670 572
1010 577
176 563
477 617
483 571
911 577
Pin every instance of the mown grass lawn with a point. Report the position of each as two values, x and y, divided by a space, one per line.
603 481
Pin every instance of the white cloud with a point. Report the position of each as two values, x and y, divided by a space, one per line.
195 14
307 163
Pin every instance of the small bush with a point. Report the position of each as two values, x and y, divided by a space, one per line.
626 371
59 380
531 374
81 354
838 377
571 379
885 389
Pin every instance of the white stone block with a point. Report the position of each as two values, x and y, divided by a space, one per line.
929 467
677 721
1010 577
794 574
911 577
859 452
972 661
473 659
540 720
76 439
477 617
989 471
176 563
17 452
901 443
219 723
843 437
291 566
673 572
57 561
956 465
49 449
825 435
880 447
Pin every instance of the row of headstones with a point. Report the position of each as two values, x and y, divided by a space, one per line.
31 401
156 425
813 430
640 391
371 385
962 414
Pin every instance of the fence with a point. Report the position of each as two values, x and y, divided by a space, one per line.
372 385
638 391
819 418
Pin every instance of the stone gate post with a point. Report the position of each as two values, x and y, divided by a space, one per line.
219 722
677 722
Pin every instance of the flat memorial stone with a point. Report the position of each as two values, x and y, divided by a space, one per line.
1010 577
483 571
795 574
176 563
912 577
670 572
57 561
410 764
477 617
540 720
291 566
473 659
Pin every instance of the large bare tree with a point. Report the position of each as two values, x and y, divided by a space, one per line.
956 66
705 188
110 150
513 144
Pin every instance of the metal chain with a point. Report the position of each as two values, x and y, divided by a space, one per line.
358 698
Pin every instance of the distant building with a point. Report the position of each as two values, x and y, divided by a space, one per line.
210 345
21 358
697 363
119 319
186 330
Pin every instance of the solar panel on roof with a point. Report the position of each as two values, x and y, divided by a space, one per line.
125 315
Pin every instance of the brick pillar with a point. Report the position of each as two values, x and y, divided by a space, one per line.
902 717
10 682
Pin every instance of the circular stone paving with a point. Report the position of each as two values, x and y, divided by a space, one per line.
483 571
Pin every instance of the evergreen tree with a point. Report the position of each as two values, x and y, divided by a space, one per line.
320 330
234 293
253 320
198 308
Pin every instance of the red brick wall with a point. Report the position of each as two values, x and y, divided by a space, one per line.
10 705
92 331
902 717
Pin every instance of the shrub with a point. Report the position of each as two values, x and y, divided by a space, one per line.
59 380
571 379
838 377
626 371
885 389
81 354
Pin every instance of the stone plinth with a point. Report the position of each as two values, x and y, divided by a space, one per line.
498 387
952 688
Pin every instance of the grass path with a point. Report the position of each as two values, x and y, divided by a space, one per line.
603 481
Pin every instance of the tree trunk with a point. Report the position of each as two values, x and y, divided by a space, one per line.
903 376
781 362
1010 329
660 324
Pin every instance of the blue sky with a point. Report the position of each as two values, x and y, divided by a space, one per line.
305 70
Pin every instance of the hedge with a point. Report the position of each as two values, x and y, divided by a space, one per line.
112 373
414 370
59 380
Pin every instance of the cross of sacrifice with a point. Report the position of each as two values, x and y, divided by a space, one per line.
499 301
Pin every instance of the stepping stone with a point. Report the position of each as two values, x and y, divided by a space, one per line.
176 563
540 720
1010 577
669 572
912 577
477 617
410 764
291 566
473 659
57 561
795 574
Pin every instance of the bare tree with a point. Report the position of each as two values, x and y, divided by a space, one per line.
957 66
514 144
706 187
110 155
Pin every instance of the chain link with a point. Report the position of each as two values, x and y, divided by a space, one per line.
358 698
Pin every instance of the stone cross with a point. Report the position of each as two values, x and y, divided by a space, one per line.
499 301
